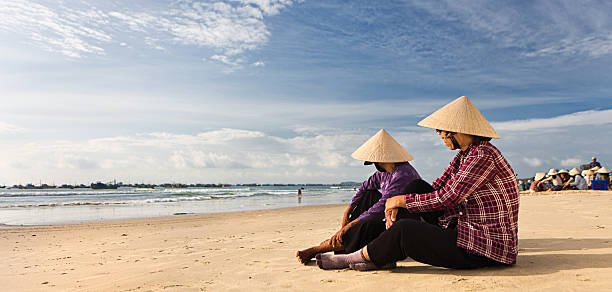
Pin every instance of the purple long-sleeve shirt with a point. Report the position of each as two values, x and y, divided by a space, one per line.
389 183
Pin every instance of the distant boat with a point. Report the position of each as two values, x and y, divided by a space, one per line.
33 187
103 186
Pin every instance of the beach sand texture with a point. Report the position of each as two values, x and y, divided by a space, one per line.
565 245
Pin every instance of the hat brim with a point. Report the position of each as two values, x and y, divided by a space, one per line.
381 148
460 116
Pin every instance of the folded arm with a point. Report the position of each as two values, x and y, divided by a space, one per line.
473 173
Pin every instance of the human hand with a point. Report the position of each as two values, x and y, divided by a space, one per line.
391 207
336 239
390 216
395 202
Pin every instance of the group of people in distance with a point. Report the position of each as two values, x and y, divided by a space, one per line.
567 180
467 218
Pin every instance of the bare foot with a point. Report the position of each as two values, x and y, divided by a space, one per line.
304 256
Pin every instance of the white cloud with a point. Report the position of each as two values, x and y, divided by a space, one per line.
585 118
154 43
533 162
562 147
269 7
547 28
231 27
197 159
570 162
9 128
239 155
77 162
219 25
593 46
208 156
64 32
228 27
489 18
227 60
229 134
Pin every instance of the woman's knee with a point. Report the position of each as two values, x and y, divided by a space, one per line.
368 225
404 226
411 231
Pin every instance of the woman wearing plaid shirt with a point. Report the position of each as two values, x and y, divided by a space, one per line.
477 197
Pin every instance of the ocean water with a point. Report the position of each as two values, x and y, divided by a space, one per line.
60 206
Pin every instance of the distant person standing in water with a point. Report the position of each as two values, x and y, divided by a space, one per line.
299 196
363 219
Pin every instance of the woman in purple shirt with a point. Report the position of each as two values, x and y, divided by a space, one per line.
363 219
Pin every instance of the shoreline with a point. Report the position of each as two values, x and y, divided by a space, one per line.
162 219
43 208
215 212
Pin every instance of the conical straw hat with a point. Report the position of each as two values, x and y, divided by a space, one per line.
574 171
552 172
563 171
382 148
539 176
460 116
603 170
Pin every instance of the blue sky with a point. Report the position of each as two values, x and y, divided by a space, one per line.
284 91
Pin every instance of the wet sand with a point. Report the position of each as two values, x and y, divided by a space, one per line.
565 244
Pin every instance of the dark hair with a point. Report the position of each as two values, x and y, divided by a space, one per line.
476 138
481 138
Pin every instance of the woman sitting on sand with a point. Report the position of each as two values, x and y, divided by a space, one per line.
564 176
363 219
477 193
603 174
537 185
577 183
553 181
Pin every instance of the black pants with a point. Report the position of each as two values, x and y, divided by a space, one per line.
424 241
370 228
365 230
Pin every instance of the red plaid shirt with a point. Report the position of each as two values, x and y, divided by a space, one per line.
480 189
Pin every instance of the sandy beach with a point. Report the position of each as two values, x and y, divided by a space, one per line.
565 245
